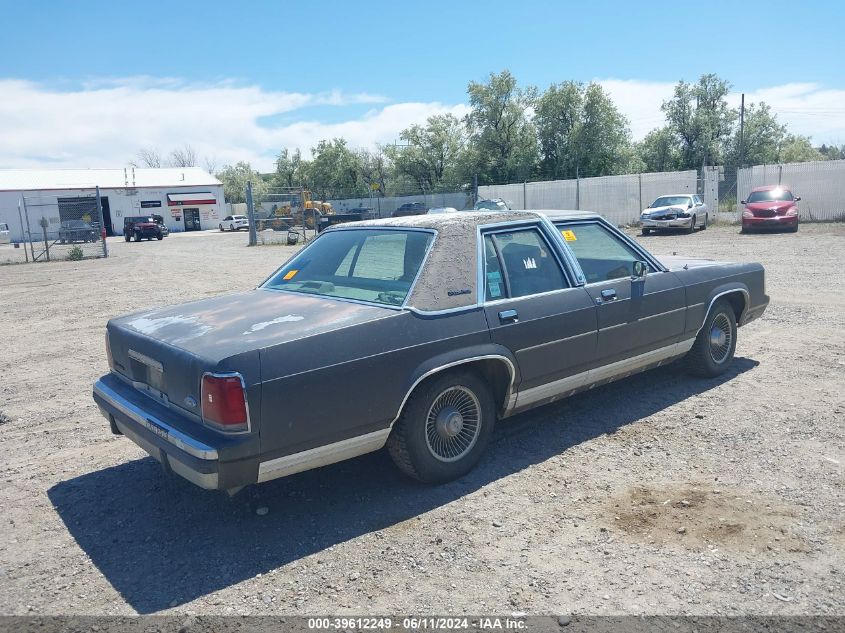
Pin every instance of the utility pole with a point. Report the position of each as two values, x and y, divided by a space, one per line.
250 210
741 129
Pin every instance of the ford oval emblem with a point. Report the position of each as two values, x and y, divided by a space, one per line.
190 402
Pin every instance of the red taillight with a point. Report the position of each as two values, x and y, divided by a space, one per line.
224 403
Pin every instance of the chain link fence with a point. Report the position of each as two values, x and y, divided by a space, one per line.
62 228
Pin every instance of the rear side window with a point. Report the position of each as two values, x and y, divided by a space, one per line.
373 265
518 264
602 255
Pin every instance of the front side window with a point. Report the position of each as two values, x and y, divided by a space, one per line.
602 255
520 263
375 265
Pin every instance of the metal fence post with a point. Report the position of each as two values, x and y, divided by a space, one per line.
103 231
23 233
250 212
640 178
28 228
524 194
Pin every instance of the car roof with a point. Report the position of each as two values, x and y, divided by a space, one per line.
669 195
770 187
448 279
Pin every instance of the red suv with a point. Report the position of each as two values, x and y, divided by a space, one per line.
770 207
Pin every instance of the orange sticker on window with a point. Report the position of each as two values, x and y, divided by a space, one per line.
290 275
569 236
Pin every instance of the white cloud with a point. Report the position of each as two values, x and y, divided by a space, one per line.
806 108
106 121
103 122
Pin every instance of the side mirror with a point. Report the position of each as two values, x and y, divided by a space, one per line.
797 198
689 205
639 270
742 202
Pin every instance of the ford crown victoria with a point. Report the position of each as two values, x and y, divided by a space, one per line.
428 329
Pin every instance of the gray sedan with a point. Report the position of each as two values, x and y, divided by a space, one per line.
414 333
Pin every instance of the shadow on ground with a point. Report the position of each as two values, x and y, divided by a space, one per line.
160 541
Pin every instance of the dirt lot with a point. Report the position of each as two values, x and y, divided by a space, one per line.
658 494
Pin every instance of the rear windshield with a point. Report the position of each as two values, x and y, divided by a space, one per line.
775 195
375 265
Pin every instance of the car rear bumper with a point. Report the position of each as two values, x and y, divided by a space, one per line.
677 223
197 456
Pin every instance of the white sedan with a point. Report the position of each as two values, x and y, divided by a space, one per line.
234 223
680 211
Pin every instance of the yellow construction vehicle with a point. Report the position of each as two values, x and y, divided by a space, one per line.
311 210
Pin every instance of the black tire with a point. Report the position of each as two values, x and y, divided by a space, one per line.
691 228
126 237
711 354
220 226
415 442
231 227
794 229
159 236
704 226
138 237
646 231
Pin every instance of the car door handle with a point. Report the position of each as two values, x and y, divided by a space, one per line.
609 294
508 316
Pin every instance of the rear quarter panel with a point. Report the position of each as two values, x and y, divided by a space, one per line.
351 381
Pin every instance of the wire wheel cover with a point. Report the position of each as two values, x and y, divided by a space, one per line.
453 424
721 338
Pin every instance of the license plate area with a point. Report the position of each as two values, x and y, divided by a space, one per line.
147 375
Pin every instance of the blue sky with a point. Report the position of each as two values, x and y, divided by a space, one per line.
357 66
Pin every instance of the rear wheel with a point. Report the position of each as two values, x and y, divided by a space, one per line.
714 347
444 428
220 226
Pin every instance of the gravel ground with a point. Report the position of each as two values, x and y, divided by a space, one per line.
660 494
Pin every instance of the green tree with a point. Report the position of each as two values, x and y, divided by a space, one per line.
761 137
659 151
604 141
502 137
234 179
375 170
430 158
290 169
700 117
558 117
797 149
832 152
334 171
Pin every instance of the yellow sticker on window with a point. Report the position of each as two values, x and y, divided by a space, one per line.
569 236
290 275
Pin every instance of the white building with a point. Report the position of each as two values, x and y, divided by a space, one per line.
188 198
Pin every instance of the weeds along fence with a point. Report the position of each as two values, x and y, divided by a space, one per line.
62 228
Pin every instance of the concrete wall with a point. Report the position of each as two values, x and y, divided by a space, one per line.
618 198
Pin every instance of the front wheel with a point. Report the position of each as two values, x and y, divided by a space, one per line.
126 237
646 231
231 227
138 237
715 344
691 225
704 226
159 236
444 428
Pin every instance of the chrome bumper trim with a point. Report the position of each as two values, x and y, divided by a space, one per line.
155 425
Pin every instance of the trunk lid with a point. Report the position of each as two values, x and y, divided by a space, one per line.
165 351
